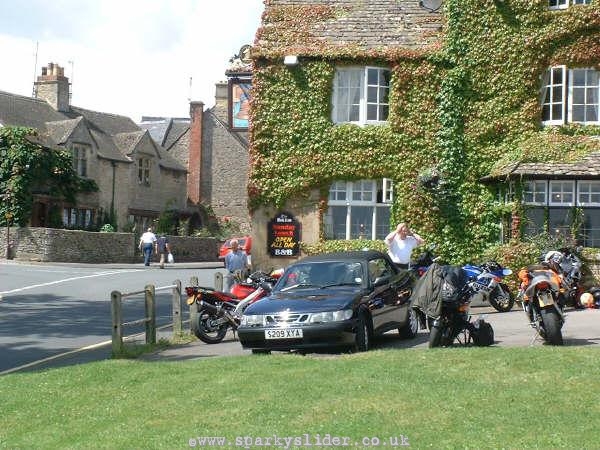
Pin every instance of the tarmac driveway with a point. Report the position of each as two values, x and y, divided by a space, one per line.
511 329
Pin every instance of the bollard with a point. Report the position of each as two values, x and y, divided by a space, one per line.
177 307
194 307
117 330
150 314
218 281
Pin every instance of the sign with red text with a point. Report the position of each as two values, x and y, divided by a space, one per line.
283 236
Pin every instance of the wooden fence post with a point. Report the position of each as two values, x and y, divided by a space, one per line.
218 281
150 314
117 319
177 307
193 307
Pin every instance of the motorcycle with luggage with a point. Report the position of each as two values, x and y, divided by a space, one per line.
486 281
217 311
443 296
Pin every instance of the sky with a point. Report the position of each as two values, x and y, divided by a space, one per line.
129 57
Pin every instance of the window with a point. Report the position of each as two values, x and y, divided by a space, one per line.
144 171
79 153
563 4
361 95
554 92
359 209
534 192
562 193
576 88
588 193
78 217
583 98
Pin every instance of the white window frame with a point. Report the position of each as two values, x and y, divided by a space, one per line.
564 4
558 4
363 76
385 183
388 190
535 184
548 87
589 186
586 87
551 192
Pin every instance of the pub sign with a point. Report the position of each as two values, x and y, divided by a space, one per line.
283 235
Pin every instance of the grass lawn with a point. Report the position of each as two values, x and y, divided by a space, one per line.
512 398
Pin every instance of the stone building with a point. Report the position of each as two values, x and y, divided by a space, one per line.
137 178
213 145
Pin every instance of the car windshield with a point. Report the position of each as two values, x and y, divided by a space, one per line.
322 275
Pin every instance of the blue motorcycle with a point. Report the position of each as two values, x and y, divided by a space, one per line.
486 280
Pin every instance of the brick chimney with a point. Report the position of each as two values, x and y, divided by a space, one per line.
53 86
195 152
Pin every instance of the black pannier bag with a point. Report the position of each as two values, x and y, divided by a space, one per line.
454 281
482 333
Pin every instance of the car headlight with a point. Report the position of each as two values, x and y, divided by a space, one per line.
253 320
331 316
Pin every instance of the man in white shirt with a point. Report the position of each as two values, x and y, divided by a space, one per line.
147 243
401 243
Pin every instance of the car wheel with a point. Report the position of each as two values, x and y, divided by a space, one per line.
362 339
410 329
260 351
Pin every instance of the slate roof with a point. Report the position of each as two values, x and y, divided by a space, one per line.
17 110
367 25
115 135
587 167
165 130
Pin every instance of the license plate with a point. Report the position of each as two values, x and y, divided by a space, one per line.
284 333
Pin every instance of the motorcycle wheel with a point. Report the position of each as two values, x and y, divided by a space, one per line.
435 336
552 326
410 329
206 332
501 299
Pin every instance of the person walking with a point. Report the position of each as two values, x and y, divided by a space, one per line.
147 243
163 248
235 260
400 243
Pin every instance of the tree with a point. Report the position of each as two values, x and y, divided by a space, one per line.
25 166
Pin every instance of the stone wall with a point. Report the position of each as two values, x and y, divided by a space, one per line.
56 245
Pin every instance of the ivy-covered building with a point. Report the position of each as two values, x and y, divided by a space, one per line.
471 121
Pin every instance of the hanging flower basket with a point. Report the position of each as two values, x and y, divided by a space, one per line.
428 179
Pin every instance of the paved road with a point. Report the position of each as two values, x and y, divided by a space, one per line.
511 329
52 309
51 319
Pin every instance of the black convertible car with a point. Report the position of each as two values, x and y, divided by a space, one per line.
332 300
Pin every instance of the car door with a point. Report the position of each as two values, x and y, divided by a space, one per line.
383 301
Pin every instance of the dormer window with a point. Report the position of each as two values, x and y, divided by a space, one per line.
361 95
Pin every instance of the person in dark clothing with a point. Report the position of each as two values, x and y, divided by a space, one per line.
163 248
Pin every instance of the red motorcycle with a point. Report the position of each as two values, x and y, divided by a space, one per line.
218 311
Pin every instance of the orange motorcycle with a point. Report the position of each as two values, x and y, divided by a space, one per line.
540 296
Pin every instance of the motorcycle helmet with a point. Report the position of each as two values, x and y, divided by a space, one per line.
587 300
595 291
554 258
